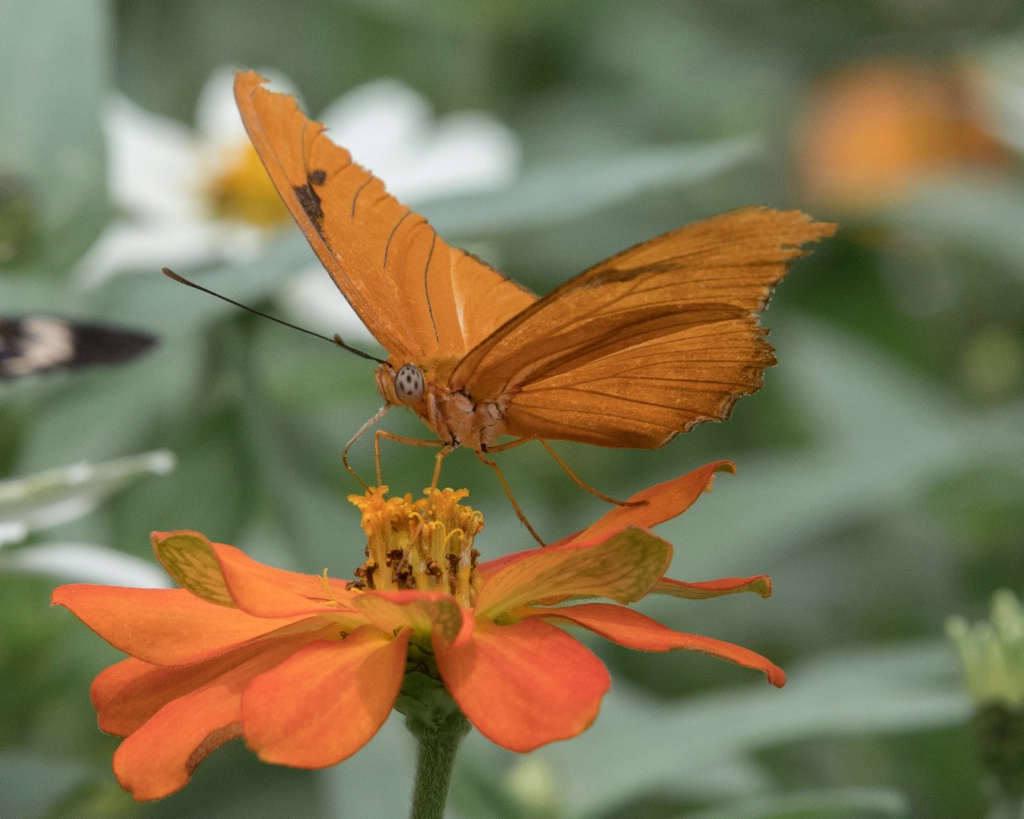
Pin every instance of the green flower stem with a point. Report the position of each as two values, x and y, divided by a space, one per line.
437 744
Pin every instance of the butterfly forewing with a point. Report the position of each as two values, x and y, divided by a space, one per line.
420 297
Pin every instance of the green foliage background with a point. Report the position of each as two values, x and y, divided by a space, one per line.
881 488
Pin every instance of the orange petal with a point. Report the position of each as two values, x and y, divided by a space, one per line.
159 757
322 705
760 584
423 612
525 684
656 504
268 592
128 693
162 626
635 630
622 568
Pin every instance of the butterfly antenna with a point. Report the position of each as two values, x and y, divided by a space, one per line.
335 340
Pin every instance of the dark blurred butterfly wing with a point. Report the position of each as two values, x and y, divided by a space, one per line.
35 344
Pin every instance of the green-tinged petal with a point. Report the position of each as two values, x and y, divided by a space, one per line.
226 576
622 568
159 757
525 684
323 704
189 558
634 630
760 584
423 612
163 626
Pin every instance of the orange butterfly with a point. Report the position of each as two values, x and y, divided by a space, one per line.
629 353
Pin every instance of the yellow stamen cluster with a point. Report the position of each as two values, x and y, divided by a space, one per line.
425 545
240 188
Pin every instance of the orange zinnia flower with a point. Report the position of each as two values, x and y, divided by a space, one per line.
870 133
307 668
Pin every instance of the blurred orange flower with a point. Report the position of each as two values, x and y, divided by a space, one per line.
869 132
307 668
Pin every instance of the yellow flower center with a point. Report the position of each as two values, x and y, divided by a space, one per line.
425 545
240 188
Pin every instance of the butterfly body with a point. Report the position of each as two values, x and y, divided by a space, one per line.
629 353
450 414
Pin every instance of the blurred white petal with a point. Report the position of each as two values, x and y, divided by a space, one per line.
469 152
218 122
13 531
153 163
63 494
312 299
147 246
389 128
86 563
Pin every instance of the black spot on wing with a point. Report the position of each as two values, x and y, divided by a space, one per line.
309 199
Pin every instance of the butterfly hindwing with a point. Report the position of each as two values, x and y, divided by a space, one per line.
647 343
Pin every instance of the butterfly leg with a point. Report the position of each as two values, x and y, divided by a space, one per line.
356 437
504 485
448 448
583 484
565 467
383 433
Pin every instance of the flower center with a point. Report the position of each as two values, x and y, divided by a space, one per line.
425 545
240 188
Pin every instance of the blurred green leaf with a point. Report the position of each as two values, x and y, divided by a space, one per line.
834 802
882 438
32 785
702 746
546 196
54 62
978 213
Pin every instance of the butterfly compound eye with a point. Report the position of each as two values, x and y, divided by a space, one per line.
409 383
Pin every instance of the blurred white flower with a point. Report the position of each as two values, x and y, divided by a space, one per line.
163 179
196 197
